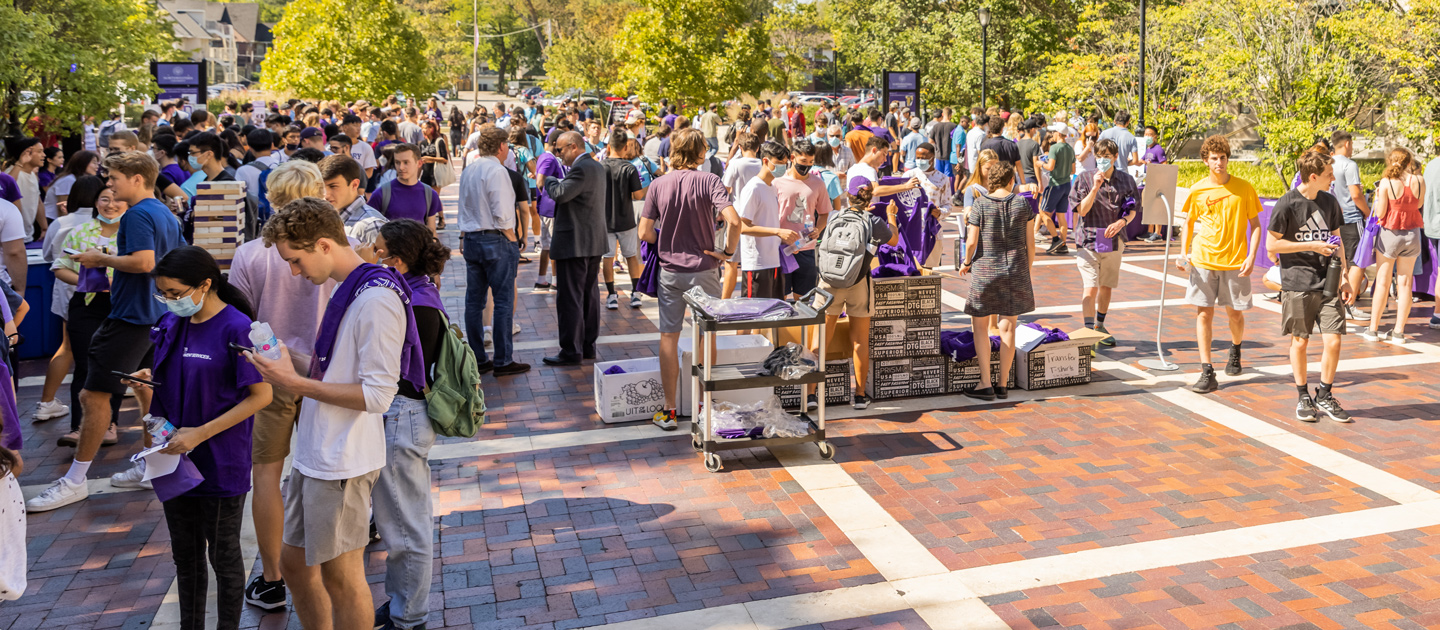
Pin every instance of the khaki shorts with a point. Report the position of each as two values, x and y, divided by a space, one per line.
855 300
1210 288
270 437
328 518
1301 310
1099 269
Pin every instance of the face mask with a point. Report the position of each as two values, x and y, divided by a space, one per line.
1147 141
183 307
1103 164
834 141
107 220
803 169
194 163
923 165
292 147
779 170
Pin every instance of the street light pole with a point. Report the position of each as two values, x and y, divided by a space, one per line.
1142 64
475 55
984 57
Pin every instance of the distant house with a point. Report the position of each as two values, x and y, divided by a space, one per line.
228 36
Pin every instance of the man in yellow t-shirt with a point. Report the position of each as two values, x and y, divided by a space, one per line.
1219 253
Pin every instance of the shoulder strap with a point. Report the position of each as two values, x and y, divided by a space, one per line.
384 199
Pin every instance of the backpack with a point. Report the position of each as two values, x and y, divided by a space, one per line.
730 133
262 200
454 400
385 199
844 251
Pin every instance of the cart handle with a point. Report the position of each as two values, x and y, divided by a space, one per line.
808 297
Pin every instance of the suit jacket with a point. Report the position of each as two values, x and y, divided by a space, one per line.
579 229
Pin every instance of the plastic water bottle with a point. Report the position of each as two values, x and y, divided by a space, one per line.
159 428
264 341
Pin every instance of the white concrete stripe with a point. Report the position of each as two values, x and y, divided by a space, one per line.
957 302
1256 301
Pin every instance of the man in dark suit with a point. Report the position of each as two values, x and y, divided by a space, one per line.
576 246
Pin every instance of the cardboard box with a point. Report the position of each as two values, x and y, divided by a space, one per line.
963 376
927 375
838 389
729 350
903 378
1057 364
634 395
907 297
839 347
907 337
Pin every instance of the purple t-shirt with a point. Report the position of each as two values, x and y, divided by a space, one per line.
9 189
416 201
685 206
175 173
549 166
201 378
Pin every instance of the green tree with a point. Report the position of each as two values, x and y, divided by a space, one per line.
584 54
1406 44
695 50
505 44
109 42
347 49
796 32
1100 69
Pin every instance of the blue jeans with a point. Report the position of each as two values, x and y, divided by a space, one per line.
491 262
403 512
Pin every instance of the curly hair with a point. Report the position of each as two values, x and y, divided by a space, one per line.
303 222
293 180
1215 144
412 242
1000 175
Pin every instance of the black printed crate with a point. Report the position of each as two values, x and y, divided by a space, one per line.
837 386
927 375
922 336
964 376
887 338
906 297
906 378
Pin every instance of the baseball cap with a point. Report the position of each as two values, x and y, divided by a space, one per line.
856 183
914 123
311 132
635 115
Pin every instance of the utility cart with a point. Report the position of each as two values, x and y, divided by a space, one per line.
707 378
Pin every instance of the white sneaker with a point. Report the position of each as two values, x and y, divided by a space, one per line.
49 411
489 341
58 495
612 302
1397 338
1371 335
131 478
514 329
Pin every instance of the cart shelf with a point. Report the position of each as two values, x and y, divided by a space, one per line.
724 378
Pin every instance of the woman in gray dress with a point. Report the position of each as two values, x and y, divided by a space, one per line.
1000 249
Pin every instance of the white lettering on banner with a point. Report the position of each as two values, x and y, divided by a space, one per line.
1062 364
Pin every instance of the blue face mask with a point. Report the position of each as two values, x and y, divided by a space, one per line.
182 306
1103 164
834 141
923 165
779 170
107 220
194 164
1146 141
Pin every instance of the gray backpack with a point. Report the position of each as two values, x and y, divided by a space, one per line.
843 254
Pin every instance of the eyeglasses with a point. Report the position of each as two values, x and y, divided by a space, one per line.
166 300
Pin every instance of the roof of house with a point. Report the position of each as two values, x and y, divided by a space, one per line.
244 18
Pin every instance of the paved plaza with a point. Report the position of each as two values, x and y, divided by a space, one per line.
1126 503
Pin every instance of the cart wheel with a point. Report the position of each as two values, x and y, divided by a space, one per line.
712 462
695 443
826 450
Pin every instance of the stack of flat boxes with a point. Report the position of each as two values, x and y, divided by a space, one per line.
905 357
219 213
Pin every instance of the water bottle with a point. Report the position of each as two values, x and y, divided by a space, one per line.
159 428
264 341
1332 276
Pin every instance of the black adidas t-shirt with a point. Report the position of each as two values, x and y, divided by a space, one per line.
1303 220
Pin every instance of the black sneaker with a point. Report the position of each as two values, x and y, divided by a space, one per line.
1305 409
486 367
1060 250
264 595
812 402
1331 407
1206 384
382 615
511 369
860 401
1232 366
374 531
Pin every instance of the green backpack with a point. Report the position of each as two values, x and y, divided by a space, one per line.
455 401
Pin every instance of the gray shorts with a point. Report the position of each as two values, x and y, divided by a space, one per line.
546 224
1210 288
328 518
1301 310
629 243
673 284
1399 243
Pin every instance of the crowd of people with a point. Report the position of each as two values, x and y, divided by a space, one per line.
328 327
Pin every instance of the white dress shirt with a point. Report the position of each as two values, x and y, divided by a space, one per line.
487 200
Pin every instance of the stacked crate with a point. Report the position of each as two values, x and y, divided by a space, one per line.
219 214
905 357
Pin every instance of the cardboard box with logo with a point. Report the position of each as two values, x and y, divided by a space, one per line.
635 394
1057 364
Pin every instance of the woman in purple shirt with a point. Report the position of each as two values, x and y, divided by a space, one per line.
1153 154
210 393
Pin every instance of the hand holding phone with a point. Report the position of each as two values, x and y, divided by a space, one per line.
239 348
124 376
71 251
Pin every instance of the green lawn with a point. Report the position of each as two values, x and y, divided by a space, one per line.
1266 182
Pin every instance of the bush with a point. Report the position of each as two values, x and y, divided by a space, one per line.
1266 183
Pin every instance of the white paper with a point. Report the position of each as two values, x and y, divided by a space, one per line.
1027 338
157 464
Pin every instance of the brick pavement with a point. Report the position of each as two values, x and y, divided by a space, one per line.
581 535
